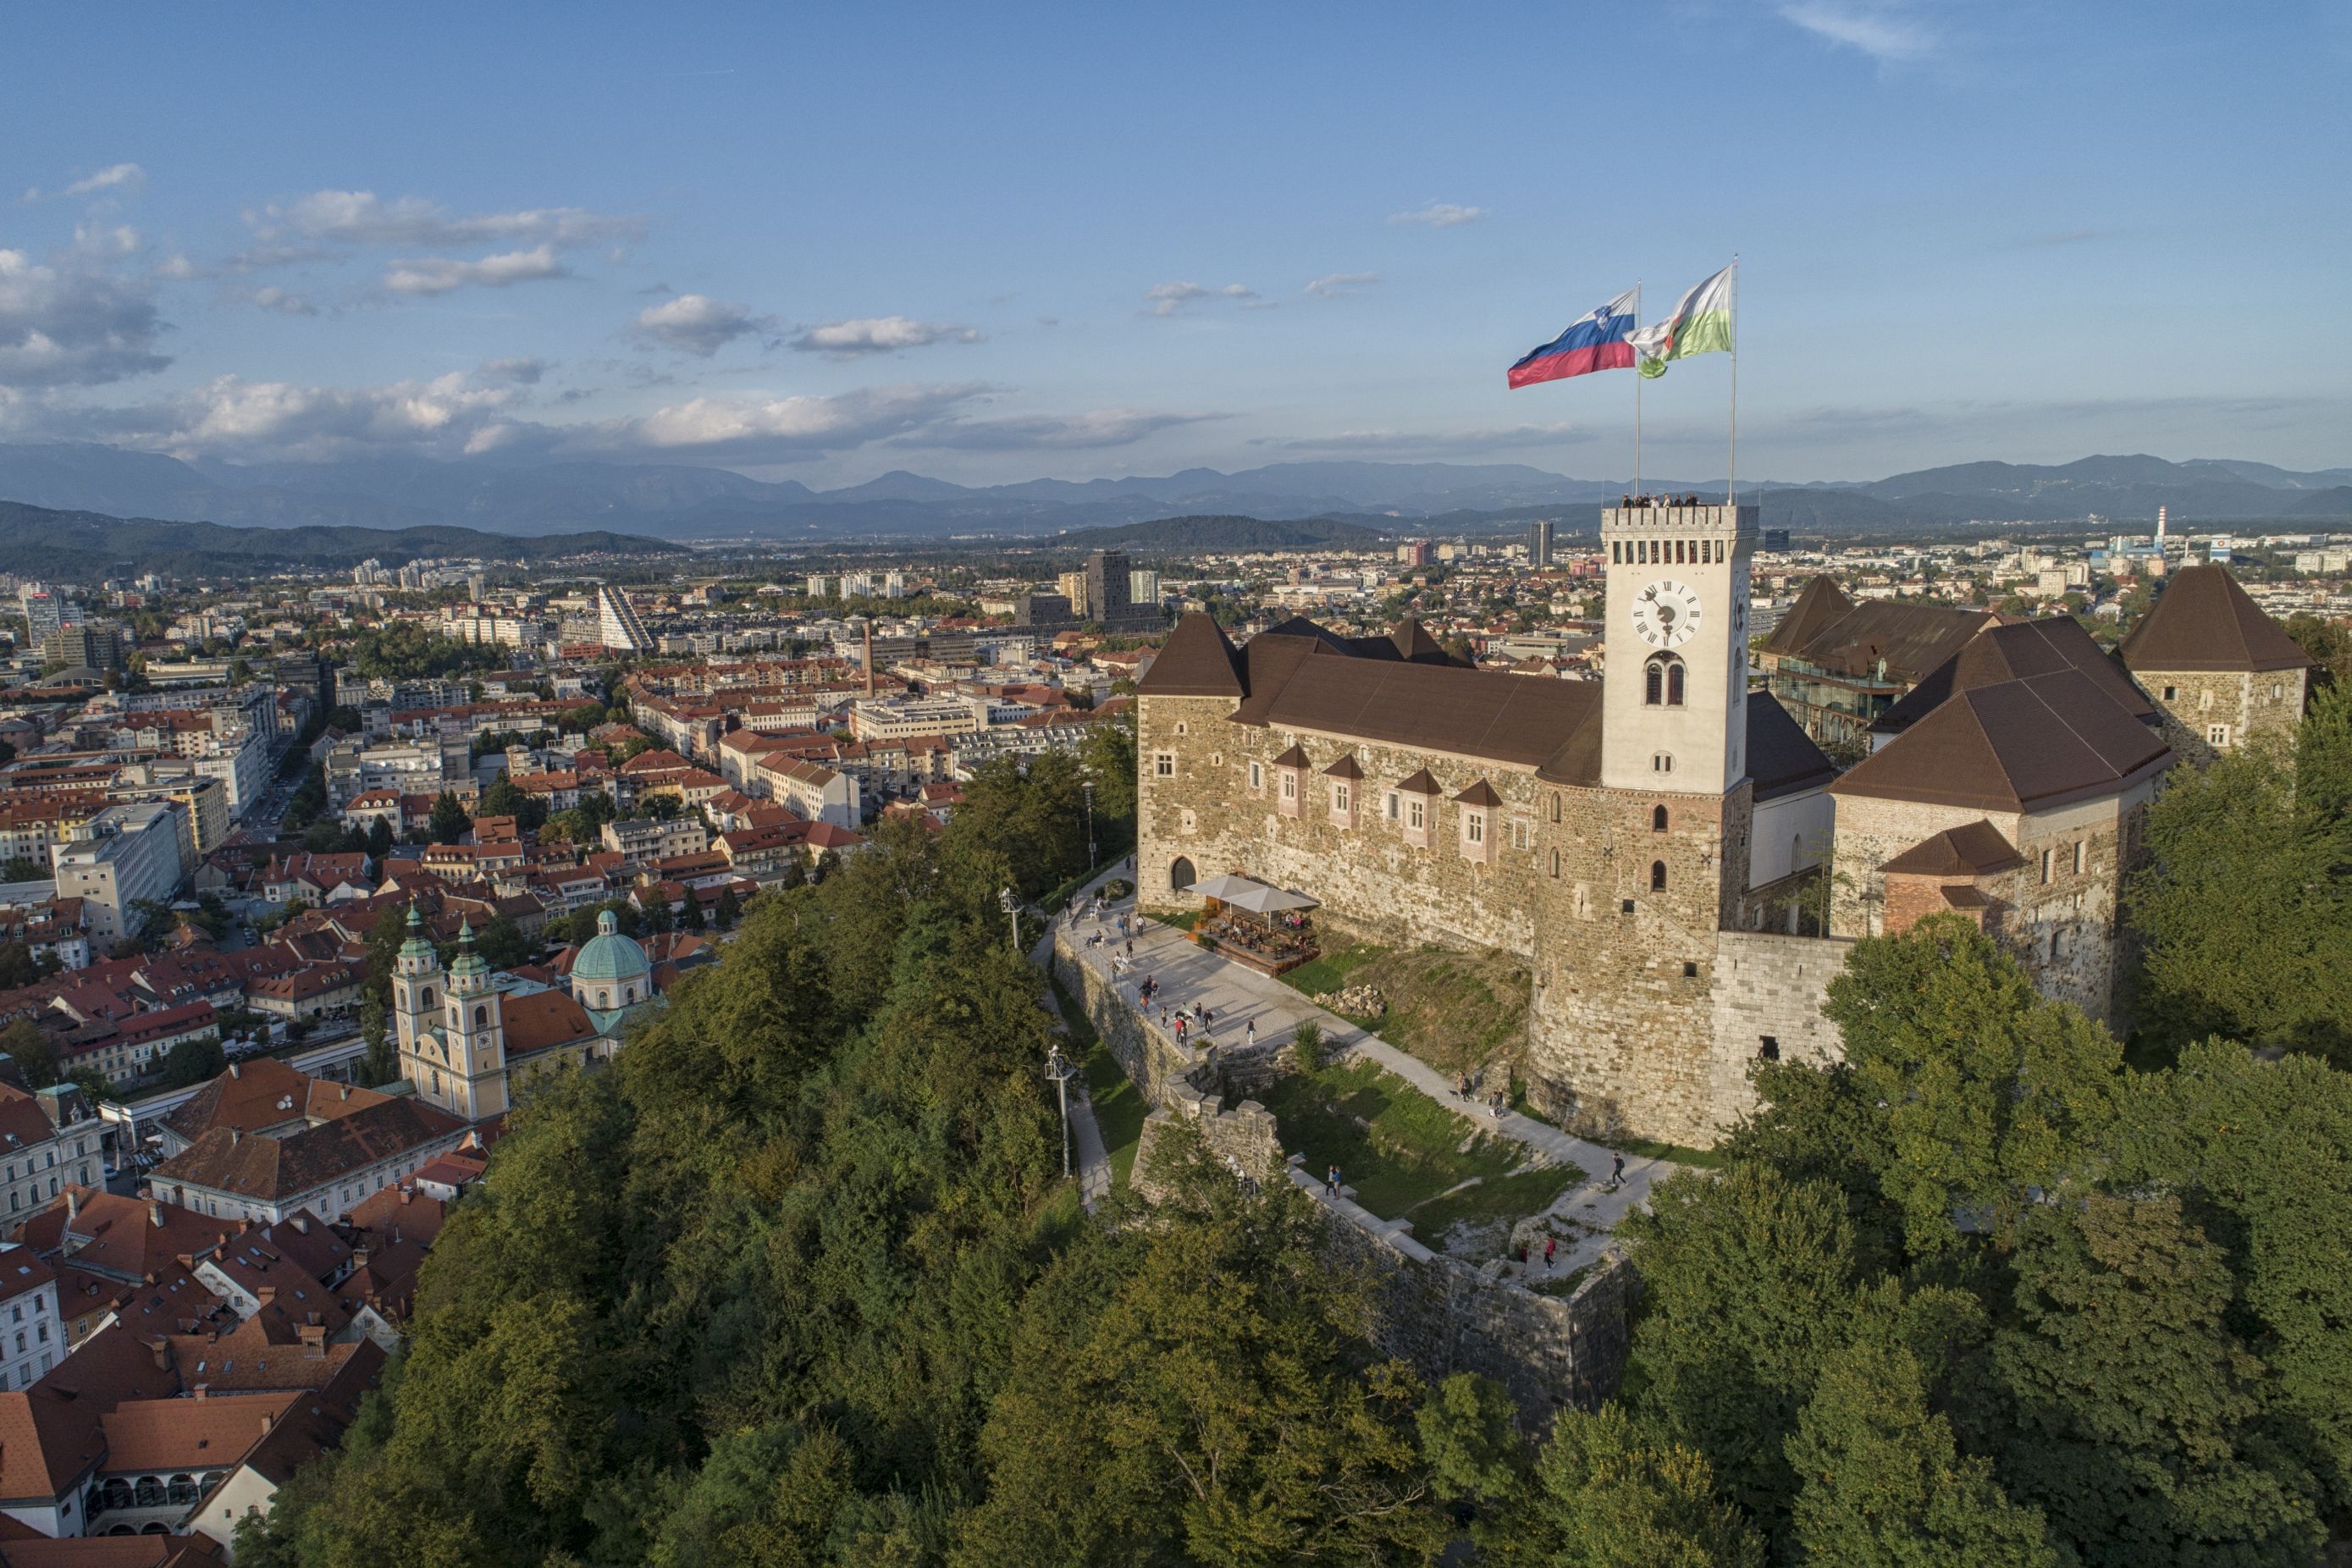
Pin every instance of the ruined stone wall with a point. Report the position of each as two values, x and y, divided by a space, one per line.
1440 1313
1182 1083
2260 704
1445 1316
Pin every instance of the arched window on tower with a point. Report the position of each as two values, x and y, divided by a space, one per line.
1657 819
481 1017
1662 682
1658 876
424 997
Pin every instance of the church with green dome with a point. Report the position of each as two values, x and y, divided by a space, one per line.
471 1039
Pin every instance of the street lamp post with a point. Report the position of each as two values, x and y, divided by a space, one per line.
1011 906
1061 1072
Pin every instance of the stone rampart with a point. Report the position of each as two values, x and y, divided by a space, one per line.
1440 1314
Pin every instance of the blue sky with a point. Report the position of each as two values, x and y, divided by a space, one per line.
992 243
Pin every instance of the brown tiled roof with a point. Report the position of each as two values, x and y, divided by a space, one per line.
168 1435
49 1434
544 1020
271 1169
1553 726
130 1239
2021 745
315 1422
1345 768
1911 638
1479 793
1420 783
1822 602
252 1095
2203 620
2011 653
399 1213
1295 757
1971 849
1782 758
1196 661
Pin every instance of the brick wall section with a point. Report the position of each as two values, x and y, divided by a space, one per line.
2258 704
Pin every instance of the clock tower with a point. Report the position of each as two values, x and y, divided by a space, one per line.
1675 690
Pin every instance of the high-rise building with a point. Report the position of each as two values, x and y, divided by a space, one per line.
1143 587
97 648
617 625
1072 585
45 611
1106 585
1539 537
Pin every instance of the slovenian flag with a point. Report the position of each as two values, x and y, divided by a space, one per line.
1596 342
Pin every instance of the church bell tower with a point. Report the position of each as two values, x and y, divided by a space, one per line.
1675 690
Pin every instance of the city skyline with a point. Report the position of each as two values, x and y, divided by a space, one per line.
1077 246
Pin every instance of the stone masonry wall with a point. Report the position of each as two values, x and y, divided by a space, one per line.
1178 1081
2258 704
1439 1313
1769 986
1620 1014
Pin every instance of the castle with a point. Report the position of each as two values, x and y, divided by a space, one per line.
470 1043
1679 865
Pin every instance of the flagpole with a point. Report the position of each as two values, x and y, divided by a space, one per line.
1731 460
1637 394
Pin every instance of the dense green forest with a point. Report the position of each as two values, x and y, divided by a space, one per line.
796 1281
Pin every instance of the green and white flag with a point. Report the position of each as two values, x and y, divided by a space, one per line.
1701 324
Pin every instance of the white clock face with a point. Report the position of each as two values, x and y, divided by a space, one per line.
1665 614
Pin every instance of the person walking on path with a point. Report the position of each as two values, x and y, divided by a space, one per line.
1331 1180
1552 1246
1616 1172
1249 1031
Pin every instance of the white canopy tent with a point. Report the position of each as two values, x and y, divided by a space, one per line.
1249 893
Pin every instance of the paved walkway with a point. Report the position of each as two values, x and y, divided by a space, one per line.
1238 996
1087 1150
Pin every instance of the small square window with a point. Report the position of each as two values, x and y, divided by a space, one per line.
1690 970
1768 1047
1164 765
2172 694
2217 734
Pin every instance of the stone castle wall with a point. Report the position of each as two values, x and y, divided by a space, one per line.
2261 704
1620 1016
1439 1313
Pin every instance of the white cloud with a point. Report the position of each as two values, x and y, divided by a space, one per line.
782 429
879 335
439 275
1099 427
696 324
362 217
287 421
129 178
278 299
520 372
1332 285
69 323
1885 33
1440 215
1167 298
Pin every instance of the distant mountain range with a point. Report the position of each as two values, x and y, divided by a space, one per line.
679 501
37 541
